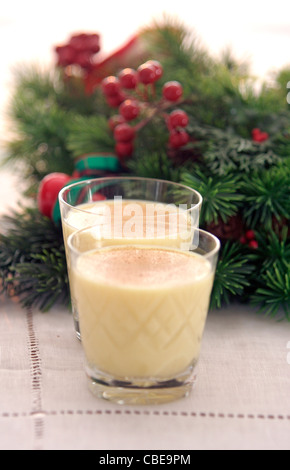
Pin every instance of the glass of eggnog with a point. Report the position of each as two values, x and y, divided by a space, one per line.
142 311
129 209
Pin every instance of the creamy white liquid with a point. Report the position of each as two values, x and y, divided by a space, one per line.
142 310
129 220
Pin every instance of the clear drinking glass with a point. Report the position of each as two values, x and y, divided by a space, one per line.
129 208
142 311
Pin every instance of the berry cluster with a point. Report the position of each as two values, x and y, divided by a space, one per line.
124 92
259 136
79 50
249 239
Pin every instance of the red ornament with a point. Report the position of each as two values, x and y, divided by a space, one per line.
83 59
48 191
79 50
66 55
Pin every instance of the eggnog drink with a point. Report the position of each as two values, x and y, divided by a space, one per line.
128 221
128 210
142 309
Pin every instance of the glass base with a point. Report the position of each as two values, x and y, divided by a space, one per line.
77 329
76 322
141 392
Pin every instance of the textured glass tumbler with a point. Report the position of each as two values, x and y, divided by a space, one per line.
142 311
129 208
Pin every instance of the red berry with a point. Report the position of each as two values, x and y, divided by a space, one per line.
178 118
48 192
178 139
146 74
124 149
250 234
255 131
128 78
253 244
111 86
129 109
115 100
243 240
172 91
115 121
124 133
157 67
259 136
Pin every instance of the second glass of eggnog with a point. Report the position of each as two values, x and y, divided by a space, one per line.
142 311
127 210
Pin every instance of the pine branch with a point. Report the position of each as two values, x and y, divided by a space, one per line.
89 134
221 198
32 259
233 153
232 275
273 247
266 196
43 281
271 286
41 145
273 293
153 165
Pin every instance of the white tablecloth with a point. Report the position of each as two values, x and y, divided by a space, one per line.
241 399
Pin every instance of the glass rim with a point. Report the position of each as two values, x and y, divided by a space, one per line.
214 251
126 178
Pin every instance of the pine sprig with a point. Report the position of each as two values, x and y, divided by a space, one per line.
273 294
238 154
43 281
221 197
273 247
232 275
42 128
89 134
155 165
271 278
32 259
266 196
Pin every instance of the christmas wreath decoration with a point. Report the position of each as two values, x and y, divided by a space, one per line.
158 107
